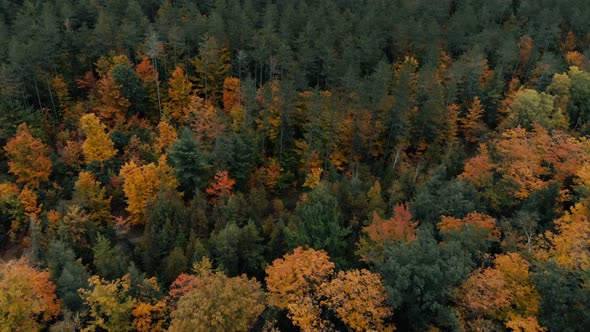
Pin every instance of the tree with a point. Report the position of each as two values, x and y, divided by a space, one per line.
222 303
222 187
238 250
188 162
110 306
318 223
565 298
28 157
478 171
212 65
569 244
485 224
293 283
27 296
472 124
68 272
98 146
359 299
529 106
304 283
505 293
399 227
141 185
420 277
90 196
109 261
177 107
166 136
113 107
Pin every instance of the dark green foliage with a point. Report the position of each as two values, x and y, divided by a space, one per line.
565 298
109 261
176 263
67 272
187 160
238 250
166 221
420 277
317 224
441 197
131 87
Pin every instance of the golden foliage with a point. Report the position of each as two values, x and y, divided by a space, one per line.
167 135
109 304
224 304
293 283
28 158
27 297
98 146
141 185
313 178
359 299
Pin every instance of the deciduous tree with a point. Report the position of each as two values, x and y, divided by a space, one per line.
27 296
28 158
98 146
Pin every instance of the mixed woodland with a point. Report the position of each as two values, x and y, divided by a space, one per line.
276 165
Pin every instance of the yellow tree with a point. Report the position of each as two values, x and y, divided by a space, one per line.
569 246
215 302
359 299
166 136
293 283
27 297
109 304
89 195
98 146
28 158
304 284
505 293
176 107
141 185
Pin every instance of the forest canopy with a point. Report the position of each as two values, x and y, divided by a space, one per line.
250 165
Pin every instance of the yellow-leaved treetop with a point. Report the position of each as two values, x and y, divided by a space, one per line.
359 299
109 303
28 158
293 283
27 297
216 302
141 185
98 145
176 107
304 283
166 136
92 197
505 293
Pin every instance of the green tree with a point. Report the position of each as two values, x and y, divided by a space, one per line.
68 272
317 224
109 261
530 106
188 162
420 276
238 250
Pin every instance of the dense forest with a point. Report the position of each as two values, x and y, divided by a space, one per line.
277 165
